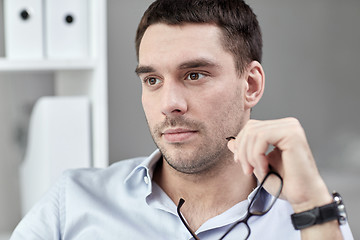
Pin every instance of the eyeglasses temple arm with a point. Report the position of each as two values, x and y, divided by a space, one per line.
181 202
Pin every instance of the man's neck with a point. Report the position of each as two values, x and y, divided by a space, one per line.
206 194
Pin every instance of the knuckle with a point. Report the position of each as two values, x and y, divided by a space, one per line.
251 125
296 128
293 120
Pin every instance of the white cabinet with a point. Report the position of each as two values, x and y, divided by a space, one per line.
69 77
85 77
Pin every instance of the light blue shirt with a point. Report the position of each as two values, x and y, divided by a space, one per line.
121 202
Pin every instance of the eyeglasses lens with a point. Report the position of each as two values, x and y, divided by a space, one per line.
263 202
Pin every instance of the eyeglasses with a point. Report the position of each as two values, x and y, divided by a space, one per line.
272 183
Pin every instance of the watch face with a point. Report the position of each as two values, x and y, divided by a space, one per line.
342 214
341 208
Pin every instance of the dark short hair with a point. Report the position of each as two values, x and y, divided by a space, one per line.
238 23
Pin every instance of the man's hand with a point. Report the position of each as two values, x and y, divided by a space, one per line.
291 158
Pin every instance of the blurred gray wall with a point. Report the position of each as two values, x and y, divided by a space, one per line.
312 71
129 135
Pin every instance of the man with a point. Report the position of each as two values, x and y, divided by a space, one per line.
199 62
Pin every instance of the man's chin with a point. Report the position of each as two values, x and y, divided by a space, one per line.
190 161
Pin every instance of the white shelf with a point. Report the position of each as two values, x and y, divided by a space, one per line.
9 65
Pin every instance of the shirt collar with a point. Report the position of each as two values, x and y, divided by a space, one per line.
139 180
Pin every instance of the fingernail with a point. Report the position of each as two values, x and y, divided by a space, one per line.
230 138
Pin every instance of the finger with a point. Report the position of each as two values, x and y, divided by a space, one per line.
231 144
259 154
249 141
232 147
241 151
256 145
261 172
274 158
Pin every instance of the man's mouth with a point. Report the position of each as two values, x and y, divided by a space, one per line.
178 135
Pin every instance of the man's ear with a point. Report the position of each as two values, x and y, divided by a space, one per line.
254 84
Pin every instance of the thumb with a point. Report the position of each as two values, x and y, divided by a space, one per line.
231 145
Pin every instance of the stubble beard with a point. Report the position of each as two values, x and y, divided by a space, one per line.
201 157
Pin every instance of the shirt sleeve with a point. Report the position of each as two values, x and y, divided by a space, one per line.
346 232
43 221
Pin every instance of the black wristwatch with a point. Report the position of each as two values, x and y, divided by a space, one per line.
318 215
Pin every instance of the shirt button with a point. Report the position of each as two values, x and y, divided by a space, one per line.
146 180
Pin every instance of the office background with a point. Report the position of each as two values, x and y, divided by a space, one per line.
312 71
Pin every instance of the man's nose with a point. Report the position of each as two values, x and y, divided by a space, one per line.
174 100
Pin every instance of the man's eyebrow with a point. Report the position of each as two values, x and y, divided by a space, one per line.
197 63
144 69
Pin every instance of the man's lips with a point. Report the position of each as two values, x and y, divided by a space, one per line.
178 135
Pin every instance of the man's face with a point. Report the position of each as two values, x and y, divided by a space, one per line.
192 94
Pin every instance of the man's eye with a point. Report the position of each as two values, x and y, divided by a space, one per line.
152 81
194 76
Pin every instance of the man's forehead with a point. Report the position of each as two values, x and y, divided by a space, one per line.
187 42
160 35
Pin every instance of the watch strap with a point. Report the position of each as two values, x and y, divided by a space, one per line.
316 215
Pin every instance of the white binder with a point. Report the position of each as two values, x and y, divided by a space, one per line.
59 139
23 29
67 29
